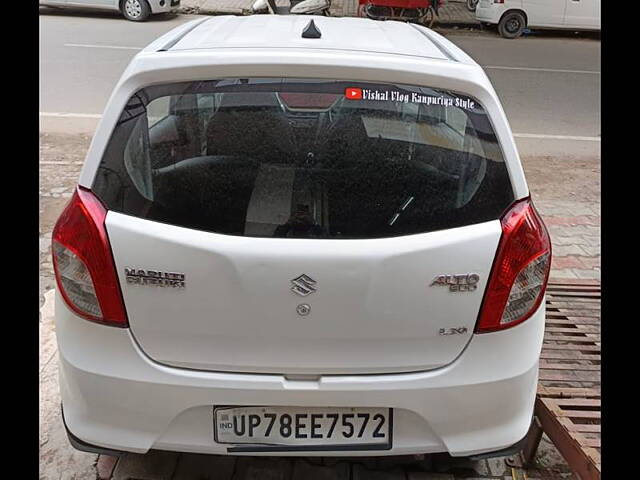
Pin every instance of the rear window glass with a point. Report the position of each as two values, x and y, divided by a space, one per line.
304 158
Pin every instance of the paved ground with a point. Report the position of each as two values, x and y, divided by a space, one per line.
567 193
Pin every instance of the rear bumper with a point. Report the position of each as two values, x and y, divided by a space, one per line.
87 447
114 397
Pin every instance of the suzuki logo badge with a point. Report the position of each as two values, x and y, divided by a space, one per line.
303 309
303 285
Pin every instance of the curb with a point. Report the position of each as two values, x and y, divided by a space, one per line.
208 12
457 24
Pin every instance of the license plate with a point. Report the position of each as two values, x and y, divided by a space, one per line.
304 428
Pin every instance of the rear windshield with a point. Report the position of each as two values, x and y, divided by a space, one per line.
304 158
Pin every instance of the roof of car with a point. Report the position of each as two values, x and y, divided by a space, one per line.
285 31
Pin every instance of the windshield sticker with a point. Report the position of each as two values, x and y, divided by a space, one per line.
353 93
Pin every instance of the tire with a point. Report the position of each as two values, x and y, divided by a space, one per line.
135 10
512 24
472 4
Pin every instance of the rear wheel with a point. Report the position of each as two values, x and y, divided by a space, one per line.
136 10
472 4
512 24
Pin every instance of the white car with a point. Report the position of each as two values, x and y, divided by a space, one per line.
304 240
513 16
135 10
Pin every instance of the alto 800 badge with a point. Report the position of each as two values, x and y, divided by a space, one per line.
467 282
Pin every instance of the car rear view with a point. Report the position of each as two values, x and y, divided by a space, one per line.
259 263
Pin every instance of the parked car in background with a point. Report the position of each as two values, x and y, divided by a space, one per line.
293 244
135 10
513 16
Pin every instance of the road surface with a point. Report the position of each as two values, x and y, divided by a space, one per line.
549 86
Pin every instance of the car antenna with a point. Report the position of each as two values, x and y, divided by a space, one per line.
311 31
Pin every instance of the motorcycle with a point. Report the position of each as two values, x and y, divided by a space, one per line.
418 11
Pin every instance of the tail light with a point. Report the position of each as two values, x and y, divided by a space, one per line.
520 270
83 263
498 1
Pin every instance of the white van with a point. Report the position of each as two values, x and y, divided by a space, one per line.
513 16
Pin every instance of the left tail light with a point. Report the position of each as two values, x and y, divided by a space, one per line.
83 263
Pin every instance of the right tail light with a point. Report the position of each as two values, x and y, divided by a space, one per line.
520 270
